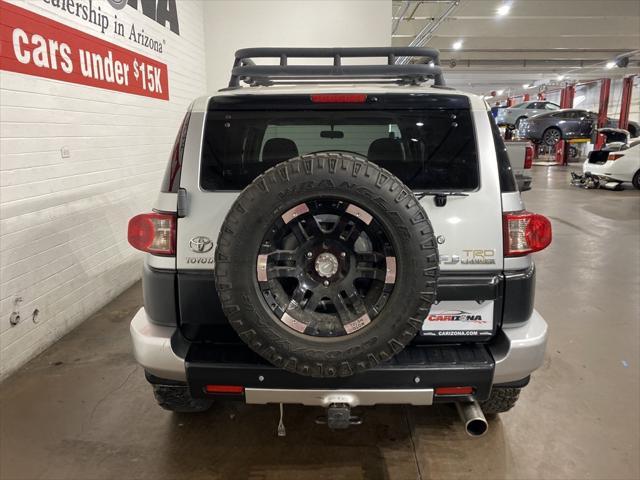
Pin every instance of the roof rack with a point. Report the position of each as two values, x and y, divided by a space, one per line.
246 70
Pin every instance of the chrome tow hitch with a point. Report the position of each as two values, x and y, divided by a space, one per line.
339 417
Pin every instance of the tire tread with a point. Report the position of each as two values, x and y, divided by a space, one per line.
177 398
501 400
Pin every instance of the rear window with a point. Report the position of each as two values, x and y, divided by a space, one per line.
427 149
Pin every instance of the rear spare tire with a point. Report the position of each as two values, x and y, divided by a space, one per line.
326 265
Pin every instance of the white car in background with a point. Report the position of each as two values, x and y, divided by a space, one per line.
620 165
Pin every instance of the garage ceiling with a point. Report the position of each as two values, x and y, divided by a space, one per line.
536 42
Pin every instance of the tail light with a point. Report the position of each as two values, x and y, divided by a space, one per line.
339 98
528 156
153 233
525 233
615 156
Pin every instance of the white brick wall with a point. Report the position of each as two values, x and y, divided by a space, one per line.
63 220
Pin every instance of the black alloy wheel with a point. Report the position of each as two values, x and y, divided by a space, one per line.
326 268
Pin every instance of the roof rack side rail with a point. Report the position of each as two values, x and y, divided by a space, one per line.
245 69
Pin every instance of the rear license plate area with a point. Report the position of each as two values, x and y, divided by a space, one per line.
460 319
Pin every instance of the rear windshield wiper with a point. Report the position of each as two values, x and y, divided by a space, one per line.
440 197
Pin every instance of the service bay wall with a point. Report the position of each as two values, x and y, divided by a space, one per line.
317 23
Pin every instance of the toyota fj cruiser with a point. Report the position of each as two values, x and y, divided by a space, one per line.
339 235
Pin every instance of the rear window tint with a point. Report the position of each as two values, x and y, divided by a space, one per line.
427 149
171 179
507 179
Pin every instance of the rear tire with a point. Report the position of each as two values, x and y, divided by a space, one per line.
551 136
501 400
573 152
636 180
177 398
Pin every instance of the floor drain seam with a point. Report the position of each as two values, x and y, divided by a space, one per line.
413 445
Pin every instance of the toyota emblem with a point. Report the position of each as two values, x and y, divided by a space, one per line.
118 4
201 244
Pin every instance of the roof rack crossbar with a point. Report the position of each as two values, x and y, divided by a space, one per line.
245 69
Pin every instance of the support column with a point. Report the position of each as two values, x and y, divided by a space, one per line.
605 89
571 93
566 98
625 102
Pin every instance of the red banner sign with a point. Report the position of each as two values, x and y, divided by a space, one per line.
35 45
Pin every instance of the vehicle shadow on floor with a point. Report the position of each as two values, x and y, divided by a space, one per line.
239 441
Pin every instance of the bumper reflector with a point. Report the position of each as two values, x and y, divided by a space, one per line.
224 389
453 391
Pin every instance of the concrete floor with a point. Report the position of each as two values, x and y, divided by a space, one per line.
82 410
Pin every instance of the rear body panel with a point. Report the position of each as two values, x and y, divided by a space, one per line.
468 228
475 280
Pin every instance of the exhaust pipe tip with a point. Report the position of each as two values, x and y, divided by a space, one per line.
475 424
476 427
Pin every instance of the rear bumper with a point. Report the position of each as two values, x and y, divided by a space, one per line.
519 351
415 367
354 398
152 348
607 171
512 356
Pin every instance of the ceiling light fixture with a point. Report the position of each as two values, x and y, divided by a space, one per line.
610 65
457 45
526 85
560 78
499 92
503 9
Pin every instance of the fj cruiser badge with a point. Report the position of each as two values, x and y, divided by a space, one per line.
200 244
470 257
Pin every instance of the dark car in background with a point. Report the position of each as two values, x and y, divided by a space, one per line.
550 128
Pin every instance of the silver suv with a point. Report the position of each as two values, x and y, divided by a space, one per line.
339 236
